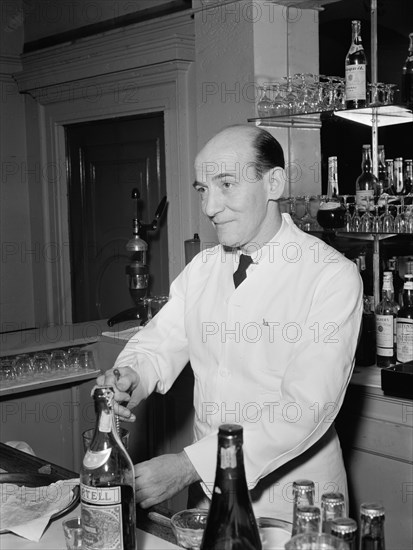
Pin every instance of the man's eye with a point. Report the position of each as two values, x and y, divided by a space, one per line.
200 189
227 184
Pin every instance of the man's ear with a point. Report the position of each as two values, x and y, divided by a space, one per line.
276 179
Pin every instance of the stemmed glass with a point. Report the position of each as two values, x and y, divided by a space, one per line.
307 221
399 219
389 91
387 220
356 219
376 223
366 221
347 214
408 220
264 106
278 105
290 98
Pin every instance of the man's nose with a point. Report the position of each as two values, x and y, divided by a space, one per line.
213 203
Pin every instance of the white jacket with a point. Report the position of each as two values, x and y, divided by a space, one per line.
275 355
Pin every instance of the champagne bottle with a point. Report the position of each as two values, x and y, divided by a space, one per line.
407 76
366 183
398 176
405 323
390 176
356 64
332 185
372 526
231 522
385 315
408 176
107 483
382 184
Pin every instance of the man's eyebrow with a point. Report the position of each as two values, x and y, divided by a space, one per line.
196 184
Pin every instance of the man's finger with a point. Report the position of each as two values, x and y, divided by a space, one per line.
124 413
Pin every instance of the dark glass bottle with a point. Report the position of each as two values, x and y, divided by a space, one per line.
385 316
367 182
398 282
382 184
408 176
107 483
231 522
346 530
371 527
398 176
407 75
405 323
356 65
303 495
332 507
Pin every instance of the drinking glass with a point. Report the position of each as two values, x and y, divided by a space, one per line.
72 528
376 223
278 105
300 210
7 371
387 220
86 360
264 106
347 214
41 365
58 360
389 91
356 219
73 359
408 220
316 541
290 98
366 219
23 366
399 222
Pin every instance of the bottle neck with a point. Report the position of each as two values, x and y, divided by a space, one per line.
407 298
355 33
372 528
366 164
230 463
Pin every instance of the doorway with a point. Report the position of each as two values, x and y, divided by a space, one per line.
106 160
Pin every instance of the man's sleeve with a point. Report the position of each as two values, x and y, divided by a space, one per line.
312 388
159 352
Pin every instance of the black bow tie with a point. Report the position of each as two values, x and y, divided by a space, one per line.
241 272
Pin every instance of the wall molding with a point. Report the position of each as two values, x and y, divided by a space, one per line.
125 72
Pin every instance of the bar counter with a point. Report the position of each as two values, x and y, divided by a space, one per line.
153 530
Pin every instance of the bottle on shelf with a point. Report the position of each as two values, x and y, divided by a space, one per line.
332 507
392 266
385 318
382 184
366 347
407 75
390 176
355 73
107 482
332 184
372 526
367 182
345 529
231 522
303 495
192 248
408 176
398 180
405 323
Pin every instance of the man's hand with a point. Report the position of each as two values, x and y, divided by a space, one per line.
124 384
163 477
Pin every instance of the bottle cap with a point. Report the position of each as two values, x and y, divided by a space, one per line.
230 429
372 509
343 526
303 484
332 499
308 512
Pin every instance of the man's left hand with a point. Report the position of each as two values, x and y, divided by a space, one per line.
163 477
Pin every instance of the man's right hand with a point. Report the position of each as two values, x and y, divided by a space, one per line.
124 384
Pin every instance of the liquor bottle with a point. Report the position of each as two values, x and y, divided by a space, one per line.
366 347
303 495
308 519
367 278
405 323
398 282
332 186
385 315
382 173
332 507
345 529
407 76
398 176
356 64
366 183
408 176
372 526
107 482
231 522
390 176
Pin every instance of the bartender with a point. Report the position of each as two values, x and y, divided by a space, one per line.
269 320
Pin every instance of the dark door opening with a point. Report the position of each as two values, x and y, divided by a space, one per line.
106 160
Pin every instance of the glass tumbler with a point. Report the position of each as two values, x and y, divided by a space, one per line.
58 360
23 366
41 364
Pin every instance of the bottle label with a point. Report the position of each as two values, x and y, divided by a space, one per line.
355 48
105 422
362 197
384 335
228 458
404 340
101 518
93 460
355 82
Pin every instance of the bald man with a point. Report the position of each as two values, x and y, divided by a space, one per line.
273 352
